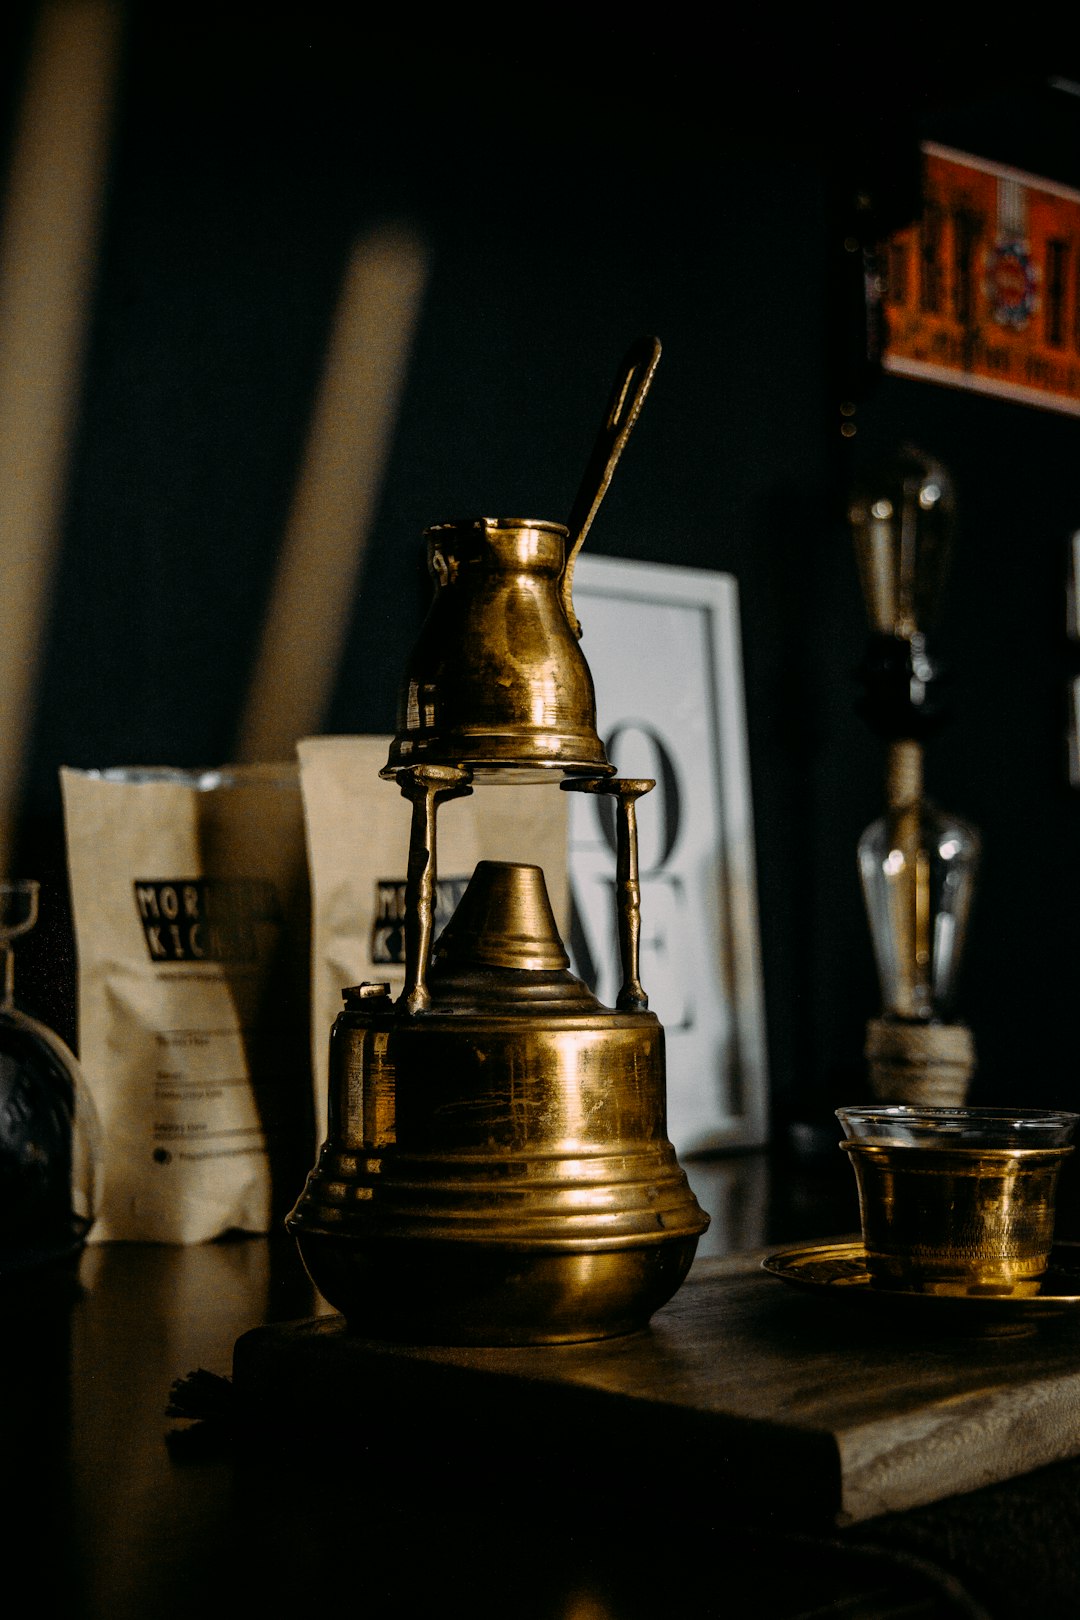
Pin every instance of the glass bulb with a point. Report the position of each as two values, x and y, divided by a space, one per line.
918 874
901 520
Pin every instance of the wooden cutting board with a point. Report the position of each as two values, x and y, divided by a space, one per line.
827 1408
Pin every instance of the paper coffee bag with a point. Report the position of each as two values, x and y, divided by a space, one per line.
190 901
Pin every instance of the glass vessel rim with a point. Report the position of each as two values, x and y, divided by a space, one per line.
916 1123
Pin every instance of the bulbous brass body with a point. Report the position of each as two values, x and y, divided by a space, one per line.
497 1170
497 681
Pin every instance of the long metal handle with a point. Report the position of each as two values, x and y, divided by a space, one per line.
627 397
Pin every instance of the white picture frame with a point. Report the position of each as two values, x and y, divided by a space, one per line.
665 652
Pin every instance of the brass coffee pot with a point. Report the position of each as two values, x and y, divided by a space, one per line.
497 1168
497 680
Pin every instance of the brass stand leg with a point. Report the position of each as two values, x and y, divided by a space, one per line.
425 787
631 997
626 790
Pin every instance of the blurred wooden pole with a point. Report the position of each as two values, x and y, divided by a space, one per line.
48 257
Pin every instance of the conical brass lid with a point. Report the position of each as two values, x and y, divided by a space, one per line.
504 919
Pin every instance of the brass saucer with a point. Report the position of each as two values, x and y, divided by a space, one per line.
840 1270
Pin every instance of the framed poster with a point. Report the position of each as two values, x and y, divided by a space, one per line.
664 648
983 291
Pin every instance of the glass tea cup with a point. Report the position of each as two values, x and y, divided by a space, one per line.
957 1200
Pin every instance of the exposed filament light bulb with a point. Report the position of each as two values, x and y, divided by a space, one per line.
917 867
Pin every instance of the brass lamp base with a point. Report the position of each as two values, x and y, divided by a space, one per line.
499 1214
497 1169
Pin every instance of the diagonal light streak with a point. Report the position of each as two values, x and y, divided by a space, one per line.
48 257
335 498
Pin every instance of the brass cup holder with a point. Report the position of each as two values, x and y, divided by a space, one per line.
957 1200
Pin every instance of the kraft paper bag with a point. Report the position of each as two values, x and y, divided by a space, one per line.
358 843
190 902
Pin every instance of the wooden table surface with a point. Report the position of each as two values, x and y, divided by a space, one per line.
380 1511
841 1408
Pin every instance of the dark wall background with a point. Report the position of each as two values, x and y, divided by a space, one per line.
571 199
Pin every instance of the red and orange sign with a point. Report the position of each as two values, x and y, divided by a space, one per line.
983 291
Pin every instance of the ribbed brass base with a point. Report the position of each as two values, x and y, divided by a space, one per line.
449 1235
496 1248
497 1168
